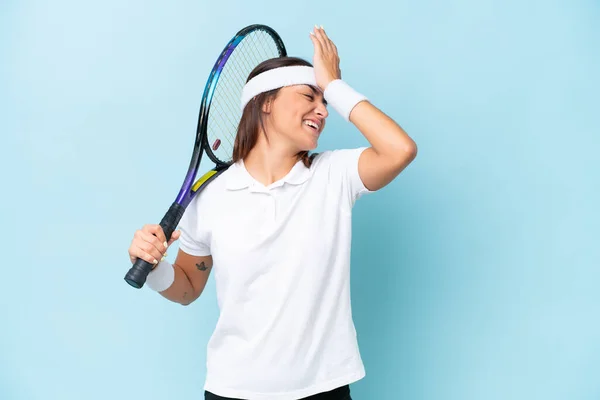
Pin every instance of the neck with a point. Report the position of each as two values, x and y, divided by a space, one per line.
269 162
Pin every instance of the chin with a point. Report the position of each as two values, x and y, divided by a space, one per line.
310 146
312 143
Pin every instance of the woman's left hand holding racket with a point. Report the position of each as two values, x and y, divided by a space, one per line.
150 244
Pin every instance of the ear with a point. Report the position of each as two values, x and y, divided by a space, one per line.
266 108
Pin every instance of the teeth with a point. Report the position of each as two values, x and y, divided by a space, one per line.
310 123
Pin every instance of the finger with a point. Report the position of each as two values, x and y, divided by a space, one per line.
157 231
154 242
174 237
140 252
150 251
320 38
316 43
327 43
333 48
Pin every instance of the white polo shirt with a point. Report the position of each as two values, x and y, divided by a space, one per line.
281 263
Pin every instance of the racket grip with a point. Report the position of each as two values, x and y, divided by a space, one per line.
137 274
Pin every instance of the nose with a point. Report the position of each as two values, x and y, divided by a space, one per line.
321 110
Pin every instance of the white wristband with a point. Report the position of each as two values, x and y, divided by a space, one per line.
161 277
342 97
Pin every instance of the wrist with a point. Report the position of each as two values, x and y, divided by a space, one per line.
342 97
161 277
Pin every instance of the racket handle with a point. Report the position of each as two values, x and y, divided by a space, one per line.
137 274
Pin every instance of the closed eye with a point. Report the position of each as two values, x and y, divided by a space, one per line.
311 95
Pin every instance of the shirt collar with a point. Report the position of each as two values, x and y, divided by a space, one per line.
240 178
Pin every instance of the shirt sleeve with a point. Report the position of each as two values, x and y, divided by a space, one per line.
344 167
194 227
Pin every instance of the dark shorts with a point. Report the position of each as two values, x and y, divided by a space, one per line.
341 393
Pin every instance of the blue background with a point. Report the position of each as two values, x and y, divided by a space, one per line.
475 273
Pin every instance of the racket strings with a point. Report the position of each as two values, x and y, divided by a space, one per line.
240 66
225 111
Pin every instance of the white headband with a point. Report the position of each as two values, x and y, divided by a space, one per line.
277 78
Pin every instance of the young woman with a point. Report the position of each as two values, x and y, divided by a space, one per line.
276 229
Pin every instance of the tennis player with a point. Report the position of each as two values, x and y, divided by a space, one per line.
276 229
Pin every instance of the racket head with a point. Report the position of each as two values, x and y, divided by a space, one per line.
220 112
220 115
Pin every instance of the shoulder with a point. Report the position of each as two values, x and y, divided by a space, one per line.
339 168
211 193
336 157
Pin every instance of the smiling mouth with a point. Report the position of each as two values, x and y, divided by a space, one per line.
311 124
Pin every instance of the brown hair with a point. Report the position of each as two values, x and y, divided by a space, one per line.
252 116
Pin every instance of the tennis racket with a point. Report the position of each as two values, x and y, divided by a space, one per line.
217 122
